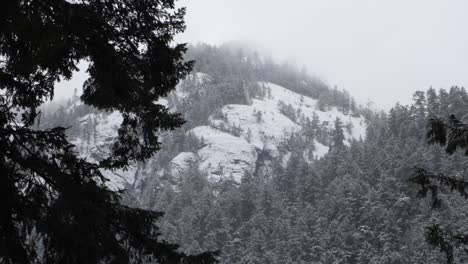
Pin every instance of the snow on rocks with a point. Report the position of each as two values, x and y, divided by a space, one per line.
97 133
259 124
307 106
223 155
263 125
181 163
232 138
320 149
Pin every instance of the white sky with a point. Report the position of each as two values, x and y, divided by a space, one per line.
382 50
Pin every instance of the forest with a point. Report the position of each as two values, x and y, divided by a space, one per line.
211 153
355 204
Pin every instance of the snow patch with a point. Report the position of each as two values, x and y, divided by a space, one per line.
263 125
181 163
308 106
260 125
223 155
320 149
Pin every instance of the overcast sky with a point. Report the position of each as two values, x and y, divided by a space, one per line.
382 50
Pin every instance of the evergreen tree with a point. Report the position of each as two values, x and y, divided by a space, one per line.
453 134
419 99
444 103
55 207
337 135
432 101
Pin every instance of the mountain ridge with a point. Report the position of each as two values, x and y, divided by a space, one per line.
233 112
232 136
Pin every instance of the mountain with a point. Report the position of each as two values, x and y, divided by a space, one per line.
246 116
232 113
235 133
275 166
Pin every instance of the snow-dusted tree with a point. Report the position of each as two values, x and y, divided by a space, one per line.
337 135
453 134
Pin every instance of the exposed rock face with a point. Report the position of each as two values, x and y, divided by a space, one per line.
181 163
94 139
223 155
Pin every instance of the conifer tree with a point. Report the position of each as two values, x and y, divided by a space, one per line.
453 134
55 206
432 101
337 136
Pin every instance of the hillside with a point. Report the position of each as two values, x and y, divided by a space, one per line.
232 115
273 166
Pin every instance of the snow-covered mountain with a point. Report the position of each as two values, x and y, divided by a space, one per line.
260 125
236 107
230 138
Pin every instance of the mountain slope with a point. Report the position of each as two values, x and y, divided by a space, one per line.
233 113
232 135
273 166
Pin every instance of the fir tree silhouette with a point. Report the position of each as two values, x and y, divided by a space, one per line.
55 206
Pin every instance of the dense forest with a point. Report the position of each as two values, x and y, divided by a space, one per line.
197 154
353 205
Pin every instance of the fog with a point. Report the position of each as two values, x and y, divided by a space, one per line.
378 50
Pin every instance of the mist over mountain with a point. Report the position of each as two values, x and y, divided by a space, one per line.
274 166
237 104
382 51
135 132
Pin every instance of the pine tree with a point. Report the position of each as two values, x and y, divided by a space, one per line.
444 104
419 99
337 135
453 134
432 101
55 207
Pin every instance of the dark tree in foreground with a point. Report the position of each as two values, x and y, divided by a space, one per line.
453 134
55 206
